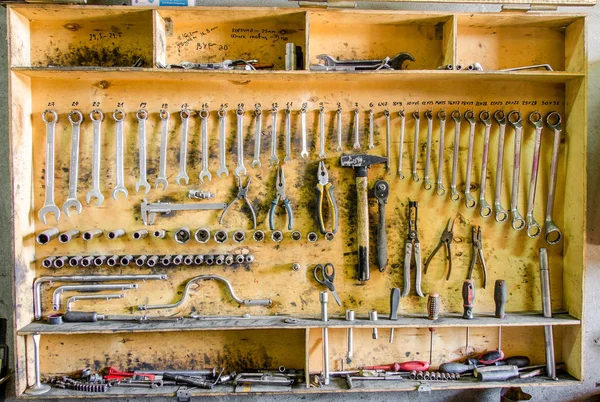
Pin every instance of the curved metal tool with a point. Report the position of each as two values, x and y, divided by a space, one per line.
164 137
142 116
426 181
87 288
258 133
514 119
241 195
204 143
501 214
97 116
387 63
533 228
553 233
440 190
182 175
240 169
72 201
484 208
469 199
454 196
49 205
417 117
119 117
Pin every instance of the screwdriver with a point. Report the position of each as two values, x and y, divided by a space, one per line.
406 366
468 294
433 311
500 297
394 304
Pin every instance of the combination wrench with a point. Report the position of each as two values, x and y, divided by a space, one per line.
304 152
322 154
553 233
454 196
514 119
371 129
356 128
339 128
204 144
97 116
288 135
426 182
274 160
469 199
388 139
240 169
501 214
401 143
164 136
49 205
484 208
182 175
533 228
258 133
142 116
222 170
417 117
440 190
119 117
75 118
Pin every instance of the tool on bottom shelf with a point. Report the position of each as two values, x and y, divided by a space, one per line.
349 336
242 194
547 312
325 275
324 298
394 304
280 196
412 244
325 191
401 367
500 297
445 240
477 254
92 316
381 191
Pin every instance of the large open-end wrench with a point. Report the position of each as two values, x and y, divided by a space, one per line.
388 139
426 181
182 175
484 208
257 134
142 116
288 135
75 118
417 117
533 228
440 190
356 128
97 116
501 214
371 129
454 196
401 143
240 169
322 154
204 144
49 205
514 119
469 199
222 170
304 151
553 233
273 159
164 136
119 117
339 128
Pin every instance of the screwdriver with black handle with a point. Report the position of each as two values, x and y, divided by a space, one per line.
500 296
92 316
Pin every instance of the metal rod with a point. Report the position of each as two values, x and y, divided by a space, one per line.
324 298
547 311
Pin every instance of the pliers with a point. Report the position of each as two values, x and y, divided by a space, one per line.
477 252
280 188
325 190
446 239
412 242
241 195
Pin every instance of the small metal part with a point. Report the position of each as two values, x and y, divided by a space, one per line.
249 258
140 261
60 262
188 259
177 259
312 237
87 261
112 261
67 236
115 234
329 236
107 297
220 259
126 260
166 260
373 317
202 235
288 134
48 262
258 235
296 235
229 259
239 236
99 260
139 234
159 234
152 261
417 118
277 236
75 260
200 195
47 235
182 235
198 259
295 267
240 258
209 259
221 236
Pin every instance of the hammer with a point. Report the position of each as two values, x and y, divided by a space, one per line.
361 163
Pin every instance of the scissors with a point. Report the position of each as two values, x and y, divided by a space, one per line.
327 275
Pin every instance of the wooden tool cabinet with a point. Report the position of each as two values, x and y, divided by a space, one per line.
74 57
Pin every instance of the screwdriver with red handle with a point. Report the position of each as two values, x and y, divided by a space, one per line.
406 366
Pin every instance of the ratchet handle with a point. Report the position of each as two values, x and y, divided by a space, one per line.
500 296
257 302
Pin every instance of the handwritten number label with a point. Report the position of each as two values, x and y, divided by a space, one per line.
120 104
142 105
96 104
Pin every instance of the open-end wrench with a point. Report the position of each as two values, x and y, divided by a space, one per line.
426 181
501 214
484 208
339 128
440 190
417 117
388 139
469 199
204 144
371 129
401 143
164 136
454 196
182 175
304 152
514 119
240 169
75 118
322 154
97 117
119 117
553 233
258 133
288 135
533 228
49 205
356 128
222 170
142 116
273 159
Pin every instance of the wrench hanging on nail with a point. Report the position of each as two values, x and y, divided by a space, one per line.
484 208
401 143
288 135
119 117
533 228
97 117
553 233
204 143
356 128
440 190
322 154
501 214
388 139
514 119
49 205
142 116
426 181
304 152
182 175
75 118
371 129
240 170
469 199
454 196
417 117
164 136
257 134
274 160
339 128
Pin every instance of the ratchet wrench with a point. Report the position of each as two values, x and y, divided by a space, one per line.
454 196
257 134
553 233
240 170
142 116
119 117
417 117
288 135
514 119
429 116
371 129
97 117
388 139
49 205
501 214
75 118
469 199
484 208
322 154
204 144
274 160
304 152
164 136
356 128
339 128
182 175
401 143
440 190
533 228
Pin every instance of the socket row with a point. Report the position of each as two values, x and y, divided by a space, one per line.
149 261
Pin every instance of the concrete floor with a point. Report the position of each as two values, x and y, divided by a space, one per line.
586 391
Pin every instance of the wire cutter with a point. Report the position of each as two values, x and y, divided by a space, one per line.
477 252
324 277
412 243
325 189
241 195
446 239
280 188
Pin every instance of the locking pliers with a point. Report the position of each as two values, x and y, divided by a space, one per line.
412 243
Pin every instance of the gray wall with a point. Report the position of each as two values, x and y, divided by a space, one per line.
592 300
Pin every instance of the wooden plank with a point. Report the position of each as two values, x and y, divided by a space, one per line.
159 40
450 41
576 46
19 38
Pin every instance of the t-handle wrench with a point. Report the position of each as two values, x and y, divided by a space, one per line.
274 160
119 117
240 169
49 205
426 181
501 214
401 143
356 128
514 119
454 196
304 152
182 175
417 117
97 117
204 143
288 135
257 134
75 118
484 208
533 228
553 233
469 199
322 154
164 136
339 128
142 116
440 190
